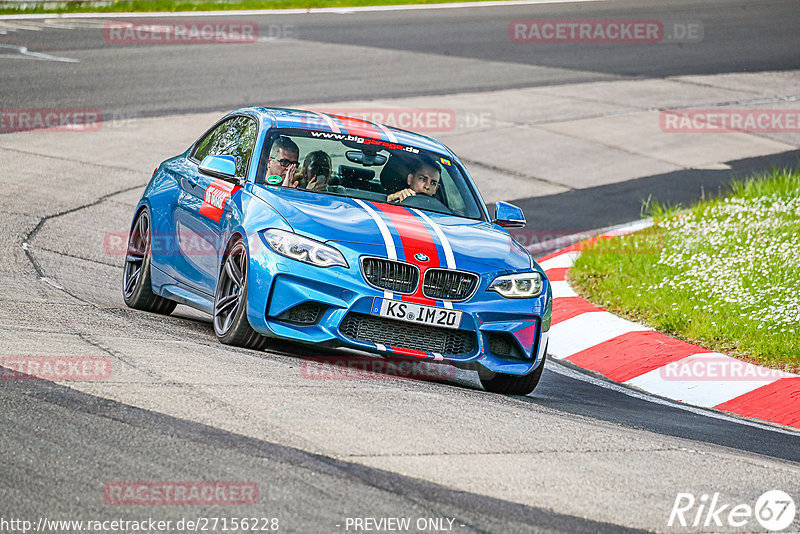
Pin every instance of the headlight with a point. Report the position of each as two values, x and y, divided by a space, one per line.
518 286
303 249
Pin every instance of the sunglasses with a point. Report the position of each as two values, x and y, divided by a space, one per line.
285 162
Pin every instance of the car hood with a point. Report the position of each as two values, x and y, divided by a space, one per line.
352 222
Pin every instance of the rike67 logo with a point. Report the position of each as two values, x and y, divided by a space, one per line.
774 511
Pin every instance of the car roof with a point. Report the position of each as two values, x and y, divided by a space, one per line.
312 120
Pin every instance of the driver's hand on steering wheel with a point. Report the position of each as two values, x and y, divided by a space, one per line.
401 195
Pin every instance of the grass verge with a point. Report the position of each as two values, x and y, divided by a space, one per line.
724 273
200 5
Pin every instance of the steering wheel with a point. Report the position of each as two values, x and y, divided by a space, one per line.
424 201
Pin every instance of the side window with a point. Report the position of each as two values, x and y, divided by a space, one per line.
235 137
454 196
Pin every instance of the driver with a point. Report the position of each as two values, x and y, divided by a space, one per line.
423 178
283 160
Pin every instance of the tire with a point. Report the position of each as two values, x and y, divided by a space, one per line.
511 384
230 302
137 288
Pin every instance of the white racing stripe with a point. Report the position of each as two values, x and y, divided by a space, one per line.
391 251
388 132
448 250
331 123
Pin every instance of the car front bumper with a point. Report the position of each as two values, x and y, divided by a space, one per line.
331 306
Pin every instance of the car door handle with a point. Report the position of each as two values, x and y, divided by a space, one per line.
189 183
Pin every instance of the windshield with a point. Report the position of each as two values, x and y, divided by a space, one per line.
369 169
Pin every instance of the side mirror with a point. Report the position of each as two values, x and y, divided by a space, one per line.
219 166
508 215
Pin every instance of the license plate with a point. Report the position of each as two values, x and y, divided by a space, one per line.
416 313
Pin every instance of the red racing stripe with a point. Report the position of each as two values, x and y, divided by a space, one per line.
360 127
415 238
410 352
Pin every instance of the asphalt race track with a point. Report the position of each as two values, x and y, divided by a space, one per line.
402 53
577 455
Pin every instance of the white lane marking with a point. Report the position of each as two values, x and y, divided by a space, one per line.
674 380
587 330
562 289
559 262
36 55
14 26
49 23
388 241
50 282
562 369
307 11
